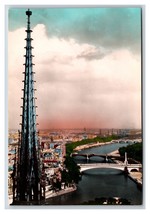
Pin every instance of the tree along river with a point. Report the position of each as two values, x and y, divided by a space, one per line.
97 183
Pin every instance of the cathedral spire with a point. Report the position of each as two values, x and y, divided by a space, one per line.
29 173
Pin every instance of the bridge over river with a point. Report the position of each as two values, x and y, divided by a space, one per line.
105 156
119 166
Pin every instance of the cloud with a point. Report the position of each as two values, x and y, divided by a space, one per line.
75 87
112 27
91 52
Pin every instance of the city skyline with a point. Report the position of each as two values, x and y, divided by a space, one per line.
87 64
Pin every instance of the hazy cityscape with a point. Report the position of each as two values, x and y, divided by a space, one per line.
53 153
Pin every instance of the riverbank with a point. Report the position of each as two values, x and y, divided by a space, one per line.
137 178
114 153
60 192
90 145
50 194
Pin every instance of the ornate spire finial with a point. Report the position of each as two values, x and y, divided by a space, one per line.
28 12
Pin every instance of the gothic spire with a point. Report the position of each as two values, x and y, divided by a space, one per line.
29 187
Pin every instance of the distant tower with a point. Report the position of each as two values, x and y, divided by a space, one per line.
29 186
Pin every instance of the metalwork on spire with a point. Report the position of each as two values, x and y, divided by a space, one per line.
28 184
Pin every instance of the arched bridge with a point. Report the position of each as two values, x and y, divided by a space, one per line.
122 167
90 155
105 156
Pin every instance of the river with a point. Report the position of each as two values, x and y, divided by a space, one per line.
97 183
